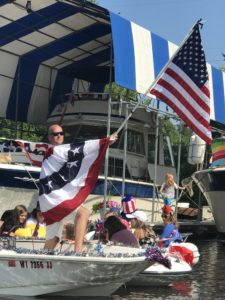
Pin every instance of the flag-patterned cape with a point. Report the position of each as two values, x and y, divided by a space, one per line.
184 86
68 175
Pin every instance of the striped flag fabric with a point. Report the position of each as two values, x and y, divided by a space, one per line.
184 86
34 151
128 205
68 175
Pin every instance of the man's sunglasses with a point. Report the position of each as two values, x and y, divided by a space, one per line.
57 133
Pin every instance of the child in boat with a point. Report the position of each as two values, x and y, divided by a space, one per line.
144 233
170 232
137 220
115 211
116 231
36 224
12 220
68 233
168 189
130 214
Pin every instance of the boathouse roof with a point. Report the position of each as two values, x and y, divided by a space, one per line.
45 44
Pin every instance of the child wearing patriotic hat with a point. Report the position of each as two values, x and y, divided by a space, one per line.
130 211
170 231
137 220
128 206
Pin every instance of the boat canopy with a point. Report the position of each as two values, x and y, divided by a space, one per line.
46 44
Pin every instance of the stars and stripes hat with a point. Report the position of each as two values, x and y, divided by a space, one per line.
128 204
130 211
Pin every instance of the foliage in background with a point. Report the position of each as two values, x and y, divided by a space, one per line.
120 91
223 68
24 131
132 95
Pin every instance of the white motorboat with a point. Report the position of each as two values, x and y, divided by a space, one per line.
93 273
159 274
180 256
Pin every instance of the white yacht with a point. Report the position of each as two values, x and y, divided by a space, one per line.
85 116
77 39
211 183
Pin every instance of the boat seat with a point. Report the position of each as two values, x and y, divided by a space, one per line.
5 158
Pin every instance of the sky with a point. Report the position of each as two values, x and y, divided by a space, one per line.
173 19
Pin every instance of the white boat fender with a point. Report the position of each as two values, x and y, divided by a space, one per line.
196 150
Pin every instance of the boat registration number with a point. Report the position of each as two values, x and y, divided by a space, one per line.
35 264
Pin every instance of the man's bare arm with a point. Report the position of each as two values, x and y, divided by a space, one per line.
113 138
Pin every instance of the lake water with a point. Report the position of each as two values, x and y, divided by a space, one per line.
207 281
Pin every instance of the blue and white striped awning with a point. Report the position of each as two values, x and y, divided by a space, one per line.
44 48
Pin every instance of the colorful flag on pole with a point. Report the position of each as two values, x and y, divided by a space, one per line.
183 85
218 152
68 175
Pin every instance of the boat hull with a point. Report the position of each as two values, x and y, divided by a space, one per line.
33 275
211 183
149 279
157 274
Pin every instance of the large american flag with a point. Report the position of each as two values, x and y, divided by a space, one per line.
68 175
184 86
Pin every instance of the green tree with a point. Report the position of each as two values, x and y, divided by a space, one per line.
118 90
19 130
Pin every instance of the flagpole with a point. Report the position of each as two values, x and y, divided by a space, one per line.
125 149
108 133
178 167
155 162
157 77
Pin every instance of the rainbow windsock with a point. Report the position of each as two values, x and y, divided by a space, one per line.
218 152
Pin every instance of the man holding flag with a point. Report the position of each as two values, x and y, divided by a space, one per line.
68 175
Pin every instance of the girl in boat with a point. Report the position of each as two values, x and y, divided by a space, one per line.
144 233
170 232
12 220
117 232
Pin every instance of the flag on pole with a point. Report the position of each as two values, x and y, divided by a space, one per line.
34 151
218 152
183 85
68 175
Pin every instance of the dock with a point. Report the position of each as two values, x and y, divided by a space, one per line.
199 229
